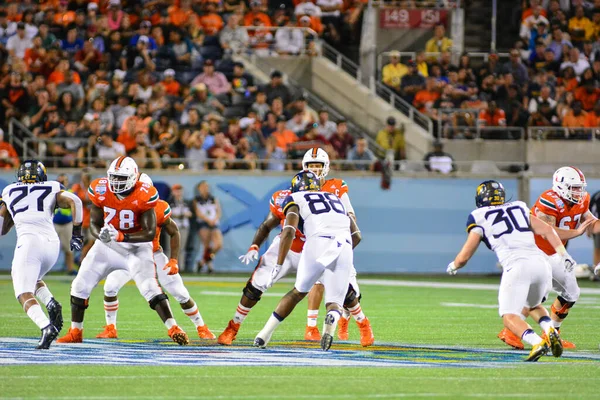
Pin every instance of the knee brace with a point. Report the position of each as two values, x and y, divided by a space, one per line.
157 299
563 311
251 292
350 296
80 303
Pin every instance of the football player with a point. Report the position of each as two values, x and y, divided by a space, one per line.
507 229
566 208
123 221
262 278
29 204
167 270
327 253
317 161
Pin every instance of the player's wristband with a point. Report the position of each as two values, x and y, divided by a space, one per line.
76 230
253 247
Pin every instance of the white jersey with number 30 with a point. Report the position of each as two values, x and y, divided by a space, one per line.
321 213
505 229
31 206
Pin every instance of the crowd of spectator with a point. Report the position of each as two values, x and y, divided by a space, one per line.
550 80
156 80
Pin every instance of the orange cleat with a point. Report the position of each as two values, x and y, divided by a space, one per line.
312 334
205 333
178 336
73 336
511 339
229 334
343 329
366 333
110 332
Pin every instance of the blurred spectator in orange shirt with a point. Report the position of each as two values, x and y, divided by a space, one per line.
180 15
63 16
493 116
171 86
35 56
313 23
282 135
592 119
140 122
576 117
58 75
211 21
529 11
8 154
425 98
588 94
256 13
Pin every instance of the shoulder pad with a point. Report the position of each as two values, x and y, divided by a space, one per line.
287 203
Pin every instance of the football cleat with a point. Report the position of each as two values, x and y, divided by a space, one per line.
260 342
565 343
556 344
49 333
178 335
312 334
73 336
538 351
510 339
229 334
205 333
55 314
326 341
366 333
343 329
109 332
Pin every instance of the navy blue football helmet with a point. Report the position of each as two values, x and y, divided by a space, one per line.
31 171
490 193
305 180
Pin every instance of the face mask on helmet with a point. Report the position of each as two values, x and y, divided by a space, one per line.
119 183
317 161
569 183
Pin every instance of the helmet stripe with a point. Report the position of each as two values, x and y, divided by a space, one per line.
314 151
580 173
120 161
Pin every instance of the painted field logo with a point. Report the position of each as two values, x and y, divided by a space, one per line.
15 351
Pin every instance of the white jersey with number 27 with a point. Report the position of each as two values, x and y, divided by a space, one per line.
505 229
321 213
31 206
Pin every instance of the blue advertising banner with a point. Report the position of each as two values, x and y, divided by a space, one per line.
417 226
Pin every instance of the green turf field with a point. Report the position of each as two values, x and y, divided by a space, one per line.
432 342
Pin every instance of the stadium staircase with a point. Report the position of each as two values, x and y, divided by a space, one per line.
334 81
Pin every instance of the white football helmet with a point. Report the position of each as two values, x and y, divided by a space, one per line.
569 183
122 174
316 155
144 178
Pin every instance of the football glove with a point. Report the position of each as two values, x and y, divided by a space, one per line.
172 267
569 263
451 270
76 238
597 270
104 235
113 234
251 255
274 274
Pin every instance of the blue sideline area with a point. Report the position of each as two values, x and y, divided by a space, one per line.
416 227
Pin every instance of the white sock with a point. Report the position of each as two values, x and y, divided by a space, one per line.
170 322
529 336
346 314
331 321
37 316
241 313
110 311
357 313
556 324
269 328
44 295
194 315
312 317
78 325
546 324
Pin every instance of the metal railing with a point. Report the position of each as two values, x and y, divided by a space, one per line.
447 4
14 126
382 91
481 132
477 57
312 46
563 133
